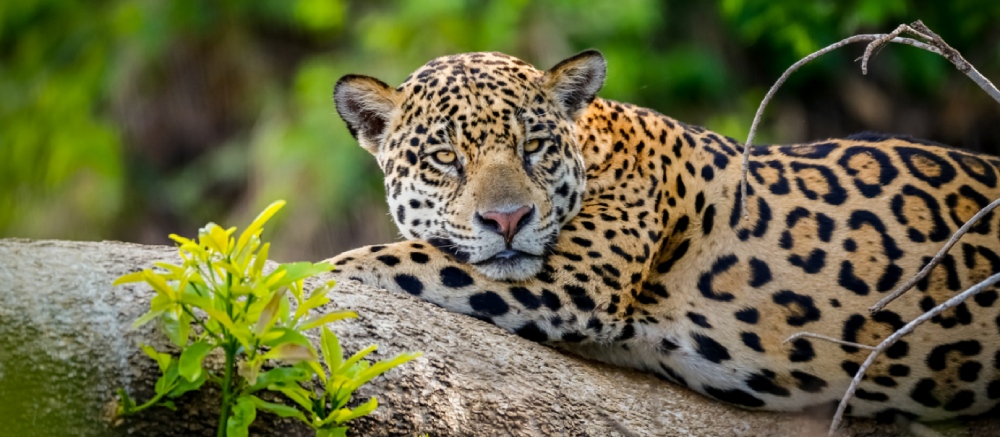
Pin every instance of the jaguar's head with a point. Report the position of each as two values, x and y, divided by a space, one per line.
480 153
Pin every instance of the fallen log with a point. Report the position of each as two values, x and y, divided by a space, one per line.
66 346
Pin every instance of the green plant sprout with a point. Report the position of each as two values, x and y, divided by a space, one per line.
221 298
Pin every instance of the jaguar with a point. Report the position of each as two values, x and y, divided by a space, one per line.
616 233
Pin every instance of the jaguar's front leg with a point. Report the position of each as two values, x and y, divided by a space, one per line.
417 268
548 308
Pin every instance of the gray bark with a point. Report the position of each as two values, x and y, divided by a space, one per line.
66 346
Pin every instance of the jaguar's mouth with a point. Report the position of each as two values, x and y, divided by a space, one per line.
506 256
510 264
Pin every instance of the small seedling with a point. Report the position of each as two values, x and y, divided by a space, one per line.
220 298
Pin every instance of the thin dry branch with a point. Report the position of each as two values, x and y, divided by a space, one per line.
933 43
799 335
936 260
892 339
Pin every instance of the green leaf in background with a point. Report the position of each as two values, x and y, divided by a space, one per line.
243 414
333 356
279 409
189 364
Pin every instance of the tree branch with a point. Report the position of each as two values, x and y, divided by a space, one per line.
934 261
933 43
892 339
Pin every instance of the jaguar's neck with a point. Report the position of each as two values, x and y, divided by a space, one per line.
679 165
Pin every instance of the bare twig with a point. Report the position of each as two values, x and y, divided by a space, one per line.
878 43
956 58
799 335
892 339
933 43
936 260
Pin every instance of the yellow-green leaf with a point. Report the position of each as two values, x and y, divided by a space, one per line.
330 346
243 414
162 360
297 394
290 353
258 222
129 278
381 367
321 320
268 315
159 284
260 259
189 364
180 240
355 358
361 410
279 409
146 318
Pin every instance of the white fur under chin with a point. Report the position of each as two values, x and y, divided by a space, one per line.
523 269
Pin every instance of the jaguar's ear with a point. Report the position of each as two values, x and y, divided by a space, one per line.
574 82
365 104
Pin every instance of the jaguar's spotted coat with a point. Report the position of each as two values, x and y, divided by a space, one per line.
614 231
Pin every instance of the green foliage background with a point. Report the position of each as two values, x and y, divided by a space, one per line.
133 119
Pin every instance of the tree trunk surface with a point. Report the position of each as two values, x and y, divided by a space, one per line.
66 346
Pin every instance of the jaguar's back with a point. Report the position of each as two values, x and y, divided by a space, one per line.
614 231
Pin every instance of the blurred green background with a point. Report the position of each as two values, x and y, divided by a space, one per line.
130 120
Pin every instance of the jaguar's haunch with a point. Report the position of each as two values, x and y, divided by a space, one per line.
614 232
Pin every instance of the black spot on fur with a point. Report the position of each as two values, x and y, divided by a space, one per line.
873 396
764 383
388 260
802 307
409 284
938 358
850 367
945 171
900 206
710 349
802 351
886 171
969 371
984 174
748 315
850 331
667 345
525 297
708 220
898 350
853 283
721 265
454 277
489 303
676 255
419 257
899 370
580 298
752 341
735 397
962 400
923 393
835 194
884 381
551 300
808 382
699 319
532 332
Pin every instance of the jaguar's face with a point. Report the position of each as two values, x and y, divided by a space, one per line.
479 153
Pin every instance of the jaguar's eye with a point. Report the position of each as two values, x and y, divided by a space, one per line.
532 146
445 157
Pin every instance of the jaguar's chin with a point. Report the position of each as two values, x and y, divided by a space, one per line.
510 265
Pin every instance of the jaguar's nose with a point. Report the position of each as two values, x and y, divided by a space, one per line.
507 224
